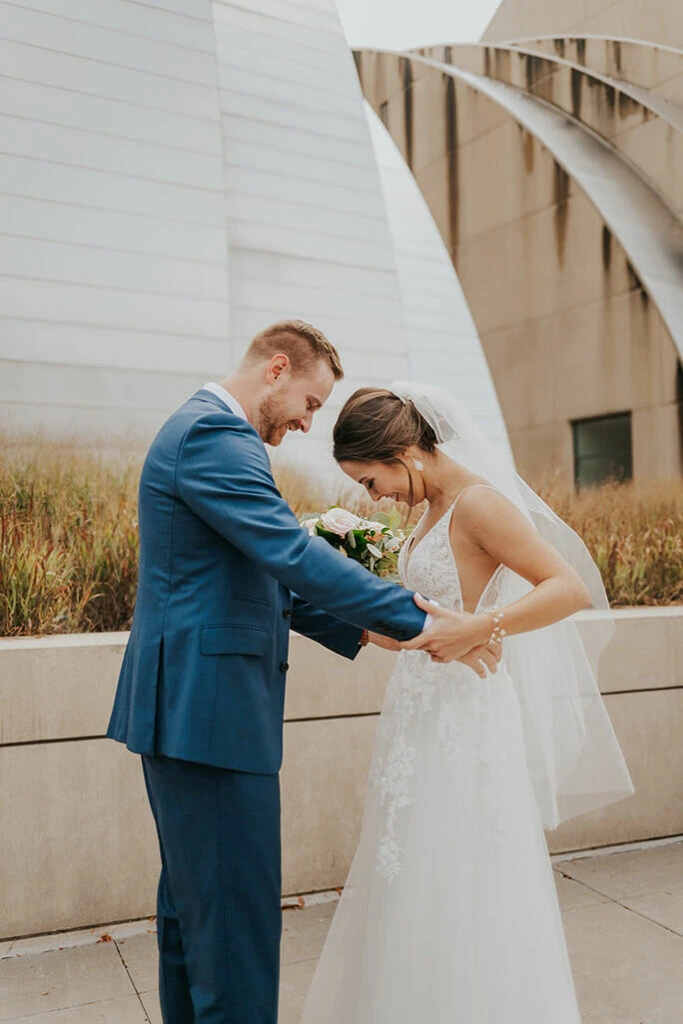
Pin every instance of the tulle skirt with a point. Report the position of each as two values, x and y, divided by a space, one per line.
450 914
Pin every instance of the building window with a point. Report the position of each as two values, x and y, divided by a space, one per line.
603 449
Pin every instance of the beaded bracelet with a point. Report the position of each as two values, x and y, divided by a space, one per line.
497 633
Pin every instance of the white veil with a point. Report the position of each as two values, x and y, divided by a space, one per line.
574 758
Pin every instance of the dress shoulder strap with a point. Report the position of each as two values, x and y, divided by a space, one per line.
468 488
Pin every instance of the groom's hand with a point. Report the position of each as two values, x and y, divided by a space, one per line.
457 636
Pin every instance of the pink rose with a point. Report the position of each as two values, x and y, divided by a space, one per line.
339 521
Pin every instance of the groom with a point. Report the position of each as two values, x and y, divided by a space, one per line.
225 571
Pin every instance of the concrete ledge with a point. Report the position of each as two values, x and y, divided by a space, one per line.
56 688
78 843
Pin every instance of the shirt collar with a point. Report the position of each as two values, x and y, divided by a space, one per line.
226 398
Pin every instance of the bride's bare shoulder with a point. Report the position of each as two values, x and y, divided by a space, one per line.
479 505
476 494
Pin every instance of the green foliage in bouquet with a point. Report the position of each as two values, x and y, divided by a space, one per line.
374 543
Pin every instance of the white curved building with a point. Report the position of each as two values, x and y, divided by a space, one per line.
435 312
177 174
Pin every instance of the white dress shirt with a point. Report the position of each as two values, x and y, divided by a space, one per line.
226 398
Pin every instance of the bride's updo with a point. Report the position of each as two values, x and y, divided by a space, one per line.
376 425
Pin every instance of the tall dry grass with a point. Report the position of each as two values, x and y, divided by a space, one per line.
68 539
69 542
633 531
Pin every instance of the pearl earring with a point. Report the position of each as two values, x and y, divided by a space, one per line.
418 465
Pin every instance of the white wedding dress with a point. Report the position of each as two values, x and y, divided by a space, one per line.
449 914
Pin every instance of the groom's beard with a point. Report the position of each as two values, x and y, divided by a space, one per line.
272 425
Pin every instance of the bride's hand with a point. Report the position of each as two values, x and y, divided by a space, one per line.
384 641
484 659
456 636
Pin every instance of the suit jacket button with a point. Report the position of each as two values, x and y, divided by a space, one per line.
284 667
287 613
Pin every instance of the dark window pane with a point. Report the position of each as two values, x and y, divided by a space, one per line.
603 449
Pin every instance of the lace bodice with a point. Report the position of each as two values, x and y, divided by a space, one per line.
461 707
430 568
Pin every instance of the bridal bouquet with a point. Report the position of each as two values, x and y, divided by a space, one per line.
375 543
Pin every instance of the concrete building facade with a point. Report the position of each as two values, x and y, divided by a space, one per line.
657 21
553 170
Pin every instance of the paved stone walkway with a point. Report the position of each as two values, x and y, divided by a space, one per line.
623 914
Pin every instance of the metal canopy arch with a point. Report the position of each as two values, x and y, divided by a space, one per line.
657 105
650 234
598 37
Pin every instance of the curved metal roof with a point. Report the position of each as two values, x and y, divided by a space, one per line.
645 43
659 106
645 227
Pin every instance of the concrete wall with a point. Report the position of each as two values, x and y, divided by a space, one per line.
659 21
77 841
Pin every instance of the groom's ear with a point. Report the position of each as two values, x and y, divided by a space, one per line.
279 368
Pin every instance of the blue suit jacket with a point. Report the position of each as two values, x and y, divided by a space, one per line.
221 553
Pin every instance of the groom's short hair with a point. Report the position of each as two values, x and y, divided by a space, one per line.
301 342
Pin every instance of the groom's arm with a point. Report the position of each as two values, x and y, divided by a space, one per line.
224 476
333 633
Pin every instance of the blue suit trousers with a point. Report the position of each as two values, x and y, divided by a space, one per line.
219 917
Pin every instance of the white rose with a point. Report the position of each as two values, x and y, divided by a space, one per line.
339 521
394 544
311 524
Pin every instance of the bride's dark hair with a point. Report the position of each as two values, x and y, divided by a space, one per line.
376 425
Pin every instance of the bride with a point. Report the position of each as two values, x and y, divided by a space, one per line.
449 914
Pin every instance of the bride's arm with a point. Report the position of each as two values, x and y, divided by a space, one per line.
499 528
